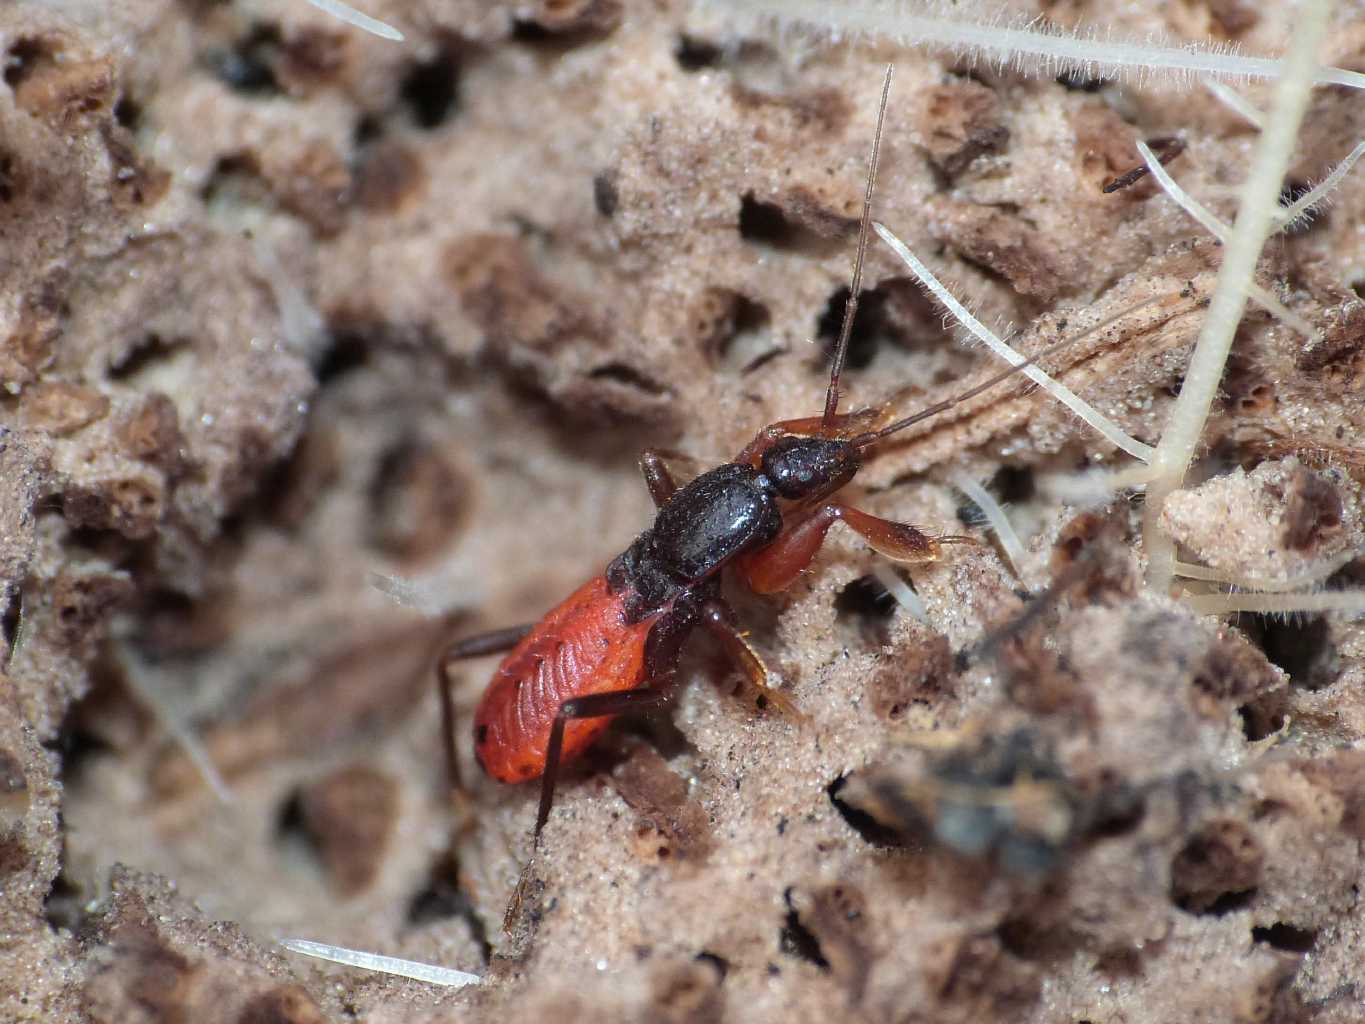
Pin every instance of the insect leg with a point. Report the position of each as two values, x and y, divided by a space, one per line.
594 705
658 478
471 647
775 567
719 620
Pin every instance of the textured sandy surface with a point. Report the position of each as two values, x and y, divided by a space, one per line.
283 305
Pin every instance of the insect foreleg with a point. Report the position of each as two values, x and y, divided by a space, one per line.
777 566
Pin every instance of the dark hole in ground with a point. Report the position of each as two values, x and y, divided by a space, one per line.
1300 646
289 818
860 821
605 196
868 604
1030 941
368 129
743 346
629 376
237 175
431 90
22 58
128 113
152 349
1074 81
693 54
172 625
1013 485
1228 903
1116 809
558 39
248 67
764 222
795 939
441 898
348 351
64 904
1286 937
7 178
296 842
1260 719
10 625
717 961
871 326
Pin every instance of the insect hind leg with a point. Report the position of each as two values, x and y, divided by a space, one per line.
492 642
594 705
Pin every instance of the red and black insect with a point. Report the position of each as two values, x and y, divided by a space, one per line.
612 647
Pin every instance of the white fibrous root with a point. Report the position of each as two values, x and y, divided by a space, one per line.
1010 545
1279 604
979 32
359 19
432 974
1083 409
1301 208
1265 585
1234 101
183 736
900 591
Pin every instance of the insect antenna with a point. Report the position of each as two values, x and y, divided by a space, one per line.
856 285
872 437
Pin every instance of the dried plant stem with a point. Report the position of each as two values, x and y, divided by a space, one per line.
1256 218
980 32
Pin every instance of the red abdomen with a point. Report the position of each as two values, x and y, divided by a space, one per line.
584 646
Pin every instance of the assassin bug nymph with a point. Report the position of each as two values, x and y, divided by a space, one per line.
613 645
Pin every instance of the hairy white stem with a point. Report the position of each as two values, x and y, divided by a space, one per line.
1297 209
1264 584
1279 604
415 969
1255 220
977 32
1110 430
359 19
1010 544
1234 101
1222 232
